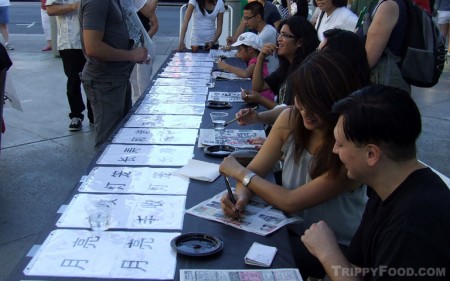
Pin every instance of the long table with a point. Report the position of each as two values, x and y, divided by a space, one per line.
236 242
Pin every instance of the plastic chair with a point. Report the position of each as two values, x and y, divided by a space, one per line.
226 27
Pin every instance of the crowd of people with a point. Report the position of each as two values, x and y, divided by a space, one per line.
345 135
346 138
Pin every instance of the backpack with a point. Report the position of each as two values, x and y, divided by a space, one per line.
424 56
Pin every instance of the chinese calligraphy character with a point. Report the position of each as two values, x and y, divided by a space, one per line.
73 263
86 243
133 264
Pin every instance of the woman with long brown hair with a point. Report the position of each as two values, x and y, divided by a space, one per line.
315 185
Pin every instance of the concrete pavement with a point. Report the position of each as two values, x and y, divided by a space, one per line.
41 160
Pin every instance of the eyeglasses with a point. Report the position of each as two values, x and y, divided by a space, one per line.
285 35
247 18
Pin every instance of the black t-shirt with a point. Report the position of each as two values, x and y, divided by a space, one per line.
277 82
406 234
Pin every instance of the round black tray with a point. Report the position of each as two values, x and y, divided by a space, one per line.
219 150
197 244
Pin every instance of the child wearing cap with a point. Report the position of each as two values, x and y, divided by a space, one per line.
249 45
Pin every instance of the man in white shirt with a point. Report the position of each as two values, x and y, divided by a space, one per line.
254 20
255 16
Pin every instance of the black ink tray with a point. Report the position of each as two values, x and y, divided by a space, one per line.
197 244
219 150
218 104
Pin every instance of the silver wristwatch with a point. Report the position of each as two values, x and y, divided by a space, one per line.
248 177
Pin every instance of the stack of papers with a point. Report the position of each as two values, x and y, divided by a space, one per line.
200 170
260 255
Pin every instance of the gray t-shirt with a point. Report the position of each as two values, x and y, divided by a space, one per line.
106 16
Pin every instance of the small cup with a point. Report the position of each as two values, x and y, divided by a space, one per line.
99 220
219 119
212 82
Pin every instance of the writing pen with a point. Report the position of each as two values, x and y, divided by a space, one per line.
237 117
231 197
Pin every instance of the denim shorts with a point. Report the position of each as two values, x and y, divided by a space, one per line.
443 17
4 14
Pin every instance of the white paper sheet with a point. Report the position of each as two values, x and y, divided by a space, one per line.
156 136
185 75
260 255
222 53
146 155
182 109
138 180
113 254
128 211
188 56
173 98
223 75
177 62
188 69
225 96
233 137
164 121
259 217
200 170
279 274
179 90
161 81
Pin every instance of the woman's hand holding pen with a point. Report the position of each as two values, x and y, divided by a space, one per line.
247 116
231 167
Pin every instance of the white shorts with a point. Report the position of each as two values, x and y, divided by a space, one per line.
443 17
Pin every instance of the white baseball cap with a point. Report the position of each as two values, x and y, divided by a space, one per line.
249 39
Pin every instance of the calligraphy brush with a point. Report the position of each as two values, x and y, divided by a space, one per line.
237 117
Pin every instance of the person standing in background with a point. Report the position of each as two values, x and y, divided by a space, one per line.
271 16
5 64
334 14
207 25
45 19
4 20
69 47
140 77
443 8
111 55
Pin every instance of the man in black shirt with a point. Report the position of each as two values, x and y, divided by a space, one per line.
405 230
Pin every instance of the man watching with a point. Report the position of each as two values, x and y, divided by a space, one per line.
73 60
110 60
254 20
405 229
271 16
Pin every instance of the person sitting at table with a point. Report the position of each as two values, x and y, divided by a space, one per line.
315 185
207 26
296 40
249 45
342 41
405 224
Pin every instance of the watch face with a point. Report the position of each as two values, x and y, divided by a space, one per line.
247 178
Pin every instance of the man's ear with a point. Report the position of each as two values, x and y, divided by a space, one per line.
373 154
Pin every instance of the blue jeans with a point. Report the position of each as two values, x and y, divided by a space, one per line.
110 102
